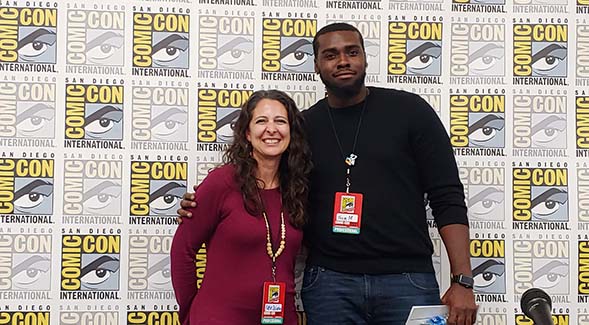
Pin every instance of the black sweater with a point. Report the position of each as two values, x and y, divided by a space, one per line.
403 152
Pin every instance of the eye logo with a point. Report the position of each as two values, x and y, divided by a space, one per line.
90 263
540 50
415 48
226 43
30 35
32 272
541 264
489 276
160 40
488 262
28 256
30 185
157 187
287 45
552 275
540 194
477 50
218 110
149 264
95 37
92 187
484 191
28 110
160 114
477 121
94 112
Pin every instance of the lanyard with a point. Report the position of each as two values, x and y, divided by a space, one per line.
351 159
269 250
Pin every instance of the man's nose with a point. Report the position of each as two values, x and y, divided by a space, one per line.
343 60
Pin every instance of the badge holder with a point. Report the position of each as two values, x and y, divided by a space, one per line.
347 207
273 303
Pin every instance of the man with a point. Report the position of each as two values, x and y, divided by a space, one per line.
376 152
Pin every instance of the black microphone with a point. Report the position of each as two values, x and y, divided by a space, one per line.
537 305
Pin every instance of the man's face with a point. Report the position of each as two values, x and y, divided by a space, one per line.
341 61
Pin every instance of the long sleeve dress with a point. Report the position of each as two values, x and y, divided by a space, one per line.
237 263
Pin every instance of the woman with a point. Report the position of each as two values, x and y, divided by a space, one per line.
250 214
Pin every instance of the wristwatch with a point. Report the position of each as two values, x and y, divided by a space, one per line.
464 280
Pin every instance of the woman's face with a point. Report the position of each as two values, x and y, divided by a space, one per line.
269 130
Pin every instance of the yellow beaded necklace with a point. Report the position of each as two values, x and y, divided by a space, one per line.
269 250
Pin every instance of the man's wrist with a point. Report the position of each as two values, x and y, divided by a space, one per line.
463 280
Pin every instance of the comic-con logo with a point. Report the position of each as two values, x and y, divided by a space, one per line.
583 271
484 189
541 264
94 112
477 49
25 317
28 35
582 123
414 53
26 190
88 317
153 317
218 110
583 195
226 46
488 265
477 120
539 122
25 261
287 48
149 267
540 54
156 189
482 6
582 51
90 266
92 188
161 44
27 112
95 41
370 30
159 114
540 194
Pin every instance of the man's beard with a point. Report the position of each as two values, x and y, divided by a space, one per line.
345 91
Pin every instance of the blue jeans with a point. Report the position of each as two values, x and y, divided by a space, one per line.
331 297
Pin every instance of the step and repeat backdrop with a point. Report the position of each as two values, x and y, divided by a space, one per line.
111 110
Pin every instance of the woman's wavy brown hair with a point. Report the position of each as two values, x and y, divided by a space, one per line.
295 163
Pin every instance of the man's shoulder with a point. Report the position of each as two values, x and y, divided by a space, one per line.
311 113
391 92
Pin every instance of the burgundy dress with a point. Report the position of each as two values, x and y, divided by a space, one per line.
237 262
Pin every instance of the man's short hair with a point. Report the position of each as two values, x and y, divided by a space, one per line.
335 27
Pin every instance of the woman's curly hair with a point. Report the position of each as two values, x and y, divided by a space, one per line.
295 163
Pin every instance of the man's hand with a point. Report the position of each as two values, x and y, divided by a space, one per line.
462 309
187 202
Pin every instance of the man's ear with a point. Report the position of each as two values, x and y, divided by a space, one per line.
316 67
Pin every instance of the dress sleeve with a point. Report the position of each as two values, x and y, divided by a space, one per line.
191 234
437 166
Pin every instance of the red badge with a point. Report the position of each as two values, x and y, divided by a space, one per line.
273 303
347 213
